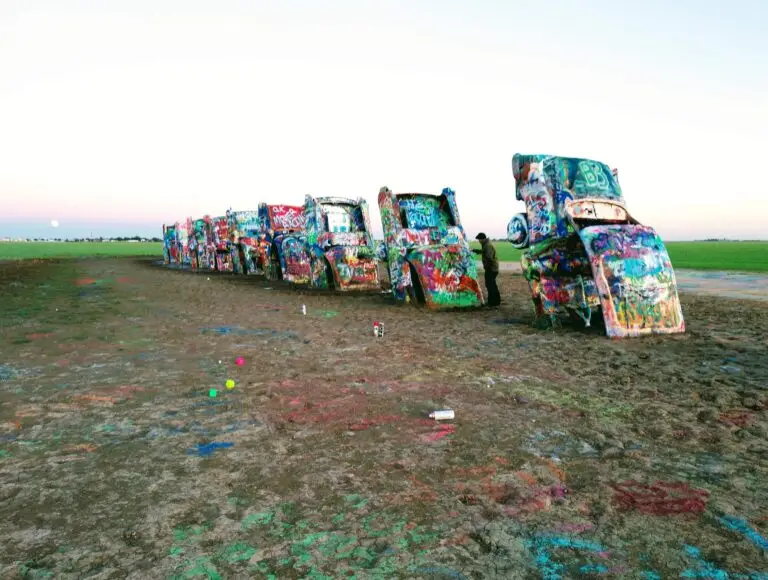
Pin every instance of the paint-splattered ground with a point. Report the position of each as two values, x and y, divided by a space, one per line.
571 455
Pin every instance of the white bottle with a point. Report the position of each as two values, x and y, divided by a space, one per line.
304 309
442 415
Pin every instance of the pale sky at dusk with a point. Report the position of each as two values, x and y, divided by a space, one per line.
117 116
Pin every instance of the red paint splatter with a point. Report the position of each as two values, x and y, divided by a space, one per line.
440 432
660 498
737 417
380 420
526 477
39 335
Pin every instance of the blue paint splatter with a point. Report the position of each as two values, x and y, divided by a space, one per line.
706 569
7 373
245 331
742 527
206 449
210 403
552 570
593 569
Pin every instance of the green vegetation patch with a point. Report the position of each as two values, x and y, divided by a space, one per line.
39 250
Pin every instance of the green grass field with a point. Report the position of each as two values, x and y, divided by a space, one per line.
31 250
735 256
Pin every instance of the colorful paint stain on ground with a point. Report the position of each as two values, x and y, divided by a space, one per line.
236 330
359 483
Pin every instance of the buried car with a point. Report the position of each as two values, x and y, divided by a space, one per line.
202 250
281 243
428 256
170 247
181 243
244 230
220 242
339 247
584 251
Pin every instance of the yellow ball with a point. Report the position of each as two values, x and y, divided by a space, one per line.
230 384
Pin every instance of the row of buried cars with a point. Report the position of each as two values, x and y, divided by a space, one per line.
583 252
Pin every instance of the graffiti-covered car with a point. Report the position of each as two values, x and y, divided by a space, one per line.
586 252
202 250
220 241
182 242
428 256
281 243
244 230
339 247
170 247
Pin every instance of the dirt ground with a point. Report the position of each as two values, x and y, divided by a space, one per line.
124 455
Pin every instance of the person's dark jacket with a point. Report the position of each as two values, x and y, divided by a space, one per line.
490 261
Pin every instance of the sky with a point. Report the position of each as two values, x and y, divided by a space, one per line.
118 116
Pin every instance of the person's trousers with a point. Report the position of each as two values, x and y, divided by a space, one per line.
494 298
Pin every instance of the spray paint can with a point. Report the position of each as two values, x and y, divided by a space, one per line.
442 415
378 329
304 309
375 328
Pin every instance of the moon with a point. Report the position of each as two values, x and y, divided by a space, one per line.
55 223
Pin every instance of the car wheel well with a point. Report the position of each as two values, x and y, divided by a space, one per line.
415 290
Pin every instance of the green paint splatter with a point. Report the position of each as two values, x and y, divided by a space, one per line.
180 534
326 313
455 299
237 553
4 454
31 571
356 500
175 552
263 518
201 566
310 554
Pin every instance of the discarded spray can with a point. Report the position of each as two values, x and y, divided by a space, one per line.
375 328
378 329
442 414
304 309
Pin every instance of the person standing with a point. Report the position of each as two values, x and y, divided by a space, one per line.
491 267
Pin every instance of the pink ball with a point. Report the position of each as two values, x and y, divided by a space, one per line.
239 361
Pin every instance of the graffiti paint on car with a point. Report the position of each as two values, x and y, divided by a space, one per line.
244 230
427 252
339 245
280 240
585 252
182 243
170 246
220 241
201 244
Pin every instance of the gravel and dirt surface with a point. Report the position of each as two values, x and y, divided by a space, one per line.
124 455
742 285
